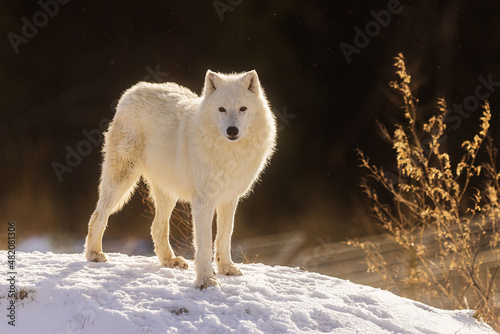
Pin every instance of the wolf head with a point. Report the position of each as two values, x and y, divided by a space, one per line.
234 102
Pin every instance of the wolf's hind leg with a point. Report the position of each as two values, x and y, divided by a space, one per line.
160 230
117 184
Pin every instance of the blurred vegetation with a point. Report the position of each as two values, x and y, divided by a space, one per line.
66 79
444 211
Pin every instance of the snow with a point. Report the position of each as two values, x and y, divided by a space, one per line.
135 294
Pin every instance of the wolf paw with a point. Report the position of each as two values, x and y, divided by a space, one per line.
229 270
177 261
206 282
96 257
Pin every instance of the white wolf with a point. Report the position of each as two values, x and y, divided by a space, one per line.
207 150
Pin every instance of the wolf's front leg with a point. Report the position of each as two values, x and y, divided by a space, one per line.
225 223
203 213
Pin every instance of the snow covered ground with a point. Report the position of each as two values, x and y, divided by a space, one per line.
134 294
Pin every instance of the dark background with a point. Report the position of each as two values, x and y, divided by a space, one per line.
67 77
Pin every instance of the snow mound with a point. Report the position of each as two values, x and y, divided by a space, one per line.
135 294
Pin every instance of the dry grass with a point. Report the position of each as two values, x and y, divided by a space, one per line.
444 215
21 294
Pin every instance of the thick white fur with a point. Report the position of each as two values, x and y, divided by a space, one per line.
178 142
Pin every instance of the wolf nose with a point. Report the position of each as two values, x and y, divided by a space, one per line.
232 132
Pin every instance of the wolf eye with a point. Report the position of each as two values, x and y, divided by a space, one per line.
221 109
243 108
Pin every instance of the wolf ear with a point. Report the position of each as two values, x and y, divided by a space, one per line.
251 80
212 80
